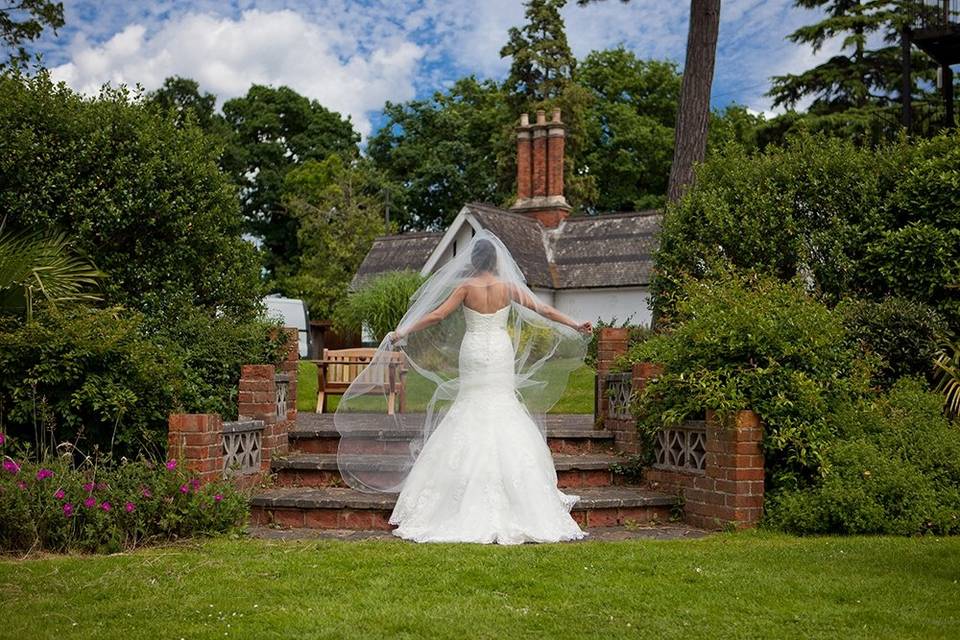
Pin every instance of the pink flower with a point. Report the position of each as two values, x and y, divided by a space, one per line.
67 509
22 485
11 466
217 498
60 494
43 474
171 464
90 502
184 488
146 493
105 506
88 487
129 507
194 483
2 438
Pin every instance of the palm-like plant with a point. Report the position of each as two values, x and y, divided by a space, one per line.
42 264
948 377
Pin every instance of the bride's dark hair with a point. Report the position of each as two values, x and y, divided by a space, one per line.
484 256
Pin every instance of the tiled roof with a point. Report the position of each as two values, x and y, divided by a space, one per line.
612 250
396 253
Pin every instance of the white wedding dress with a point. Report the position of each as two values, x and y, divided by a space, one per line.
485 474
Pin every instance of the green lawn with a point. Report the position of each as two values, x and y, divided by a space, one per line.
577 398
748 585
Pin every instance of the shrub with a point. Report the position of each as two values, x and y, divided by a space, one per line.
142 197
102 506
94 376
379 305
893 467
861 222
904 334
752 342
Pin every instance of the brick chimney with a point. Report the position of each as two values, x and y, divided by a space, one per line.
540 168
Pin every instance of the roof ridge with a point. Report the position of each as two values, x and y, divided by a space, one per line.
616 214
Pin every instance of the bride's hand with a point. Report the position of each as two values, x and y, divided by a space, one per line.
585 328
393 337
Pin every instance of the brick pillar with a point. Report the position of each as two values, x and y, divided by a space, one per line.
195 441
540 155
289 366
524 179
258 401
731 491
611 343
556 139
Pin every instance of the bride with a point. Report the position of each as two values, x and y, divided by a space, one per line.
486 360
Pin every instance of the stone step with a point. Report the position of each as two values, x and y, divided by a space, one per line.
344 508
320 469
316 433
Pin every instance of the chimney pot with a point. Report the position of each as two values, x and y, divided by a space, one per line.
524 120
541 116
556 116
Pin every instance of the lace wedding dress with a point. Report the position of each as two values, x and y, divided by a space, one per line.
485 474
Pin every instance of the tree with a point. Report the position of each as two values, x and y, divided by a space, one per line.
24 21
856 92
271 131
690 146
628 142
443 152
542 60
144 199
181 97
339 208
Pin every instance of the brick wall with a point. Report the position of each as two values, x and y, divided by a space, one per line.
196 440
729 491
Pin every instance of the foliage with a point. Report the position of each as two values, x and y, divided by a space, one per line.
271 131
105 507
893 467
24 21
948 377
752 342
339 209
857 91
848 221
541 60
442 152
139 196
92 375
905 335
628 141
41 264
180 99
379 305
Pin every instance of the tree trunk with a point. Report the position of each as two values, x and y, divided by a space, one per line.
690 140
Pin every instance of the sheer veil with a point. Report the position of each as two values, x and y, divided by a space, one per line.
419 374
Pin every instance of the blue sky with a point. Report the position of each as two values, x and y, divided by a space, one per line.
353 56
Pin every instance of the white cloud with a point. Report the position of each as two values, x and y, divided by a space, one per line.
226 55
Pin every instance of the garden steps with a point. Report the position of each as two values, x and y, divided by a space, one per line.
566 433
320 469
348 509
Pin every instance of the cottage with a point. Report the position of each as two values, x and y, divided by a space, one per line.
588 267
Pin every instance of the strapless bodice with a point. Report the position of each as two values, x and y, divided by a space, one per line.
485 322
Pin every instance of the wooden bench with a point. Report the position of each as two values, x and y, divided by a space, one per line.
338 368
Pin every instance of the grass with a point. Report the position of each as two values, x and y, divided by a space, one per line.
747 585
577 398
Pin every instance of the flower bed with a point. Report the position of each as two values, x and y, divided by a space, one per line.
98 505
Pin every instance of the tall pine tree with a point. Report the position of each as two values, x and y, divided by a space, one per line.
860 87
543 63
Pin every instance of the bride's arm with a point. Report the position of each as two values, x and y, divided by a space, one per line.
435 316
524 298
